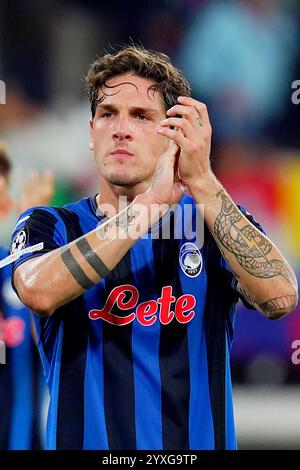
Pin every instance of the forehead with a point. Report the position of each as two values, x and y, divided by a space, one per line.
131 89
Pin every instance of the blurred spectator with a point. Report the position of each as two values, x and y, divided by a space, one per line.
22 388
238 56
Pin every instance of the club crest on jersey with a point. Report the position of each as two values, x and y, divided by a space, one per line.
190 259
19 242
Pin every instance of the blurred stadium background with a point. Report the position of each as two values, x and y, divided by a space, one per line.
241 58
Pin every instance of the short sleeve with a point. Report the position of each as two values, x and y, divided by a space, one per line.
38 231
233 280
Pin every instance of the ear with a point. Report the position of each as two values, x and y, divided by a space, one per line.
91 144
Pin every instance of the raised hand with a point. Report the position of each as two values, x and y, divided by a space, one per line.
166 187
38 190
192 133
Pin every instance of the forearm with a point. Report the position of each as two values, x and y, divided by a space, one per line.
262 271
62 275
264 275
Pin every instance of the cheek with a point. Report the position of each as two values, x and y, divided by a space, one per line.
101 136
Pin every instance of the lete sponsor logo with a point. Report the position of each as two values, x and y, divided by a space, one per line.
126 297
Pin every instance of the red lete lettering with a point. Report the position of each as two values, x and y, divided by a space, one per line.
145 312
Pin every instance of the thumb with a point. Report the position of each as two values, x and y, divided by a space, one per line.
172 148
168 159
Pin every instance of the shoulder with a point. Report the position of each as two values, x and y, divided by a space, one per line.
79 205
50 214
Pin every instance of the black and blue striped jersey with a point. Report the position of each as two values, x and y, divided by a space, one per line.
141 360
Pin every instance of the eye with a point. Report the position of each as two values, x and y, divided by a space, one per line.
107 114
142 117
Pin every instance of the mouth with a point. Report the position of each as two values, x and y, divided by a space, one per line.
121 153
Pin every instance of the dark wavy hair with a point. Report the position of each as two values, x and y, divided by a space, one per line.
168 80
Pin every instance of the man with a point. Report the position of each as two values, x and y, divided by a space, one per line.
135 330
22 388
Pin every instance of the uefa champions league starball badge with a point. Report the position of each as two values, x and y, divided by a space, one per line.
19 242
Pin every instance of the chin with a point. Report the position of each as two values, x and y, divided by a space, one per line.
124 180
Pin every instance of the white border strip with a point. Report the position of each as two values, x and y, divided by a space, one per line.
11 258
22 220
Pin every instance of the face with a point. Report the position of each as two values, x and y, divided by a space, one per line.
123 132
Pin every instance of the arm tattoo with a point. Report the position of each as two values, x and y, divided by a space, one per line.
91 257
278 305
72 265
123 221
246 296
248 245
271 308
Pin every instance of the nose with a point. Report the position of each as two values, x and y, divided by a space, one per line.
121 129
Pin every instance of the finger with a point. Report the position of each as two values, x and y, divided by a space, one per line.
27 189
198 105
49 177
29 183
173 134
35 177
26 185
173 148
49 186
183 124
188 112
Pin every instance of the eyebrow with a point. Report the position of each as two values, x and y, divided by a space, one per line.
135 109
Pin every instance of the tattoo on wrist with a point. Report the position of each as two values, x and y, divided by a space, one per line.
247 244
122 221
199 117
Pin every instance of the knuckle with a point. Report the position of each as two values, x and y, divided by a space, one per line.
184 124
